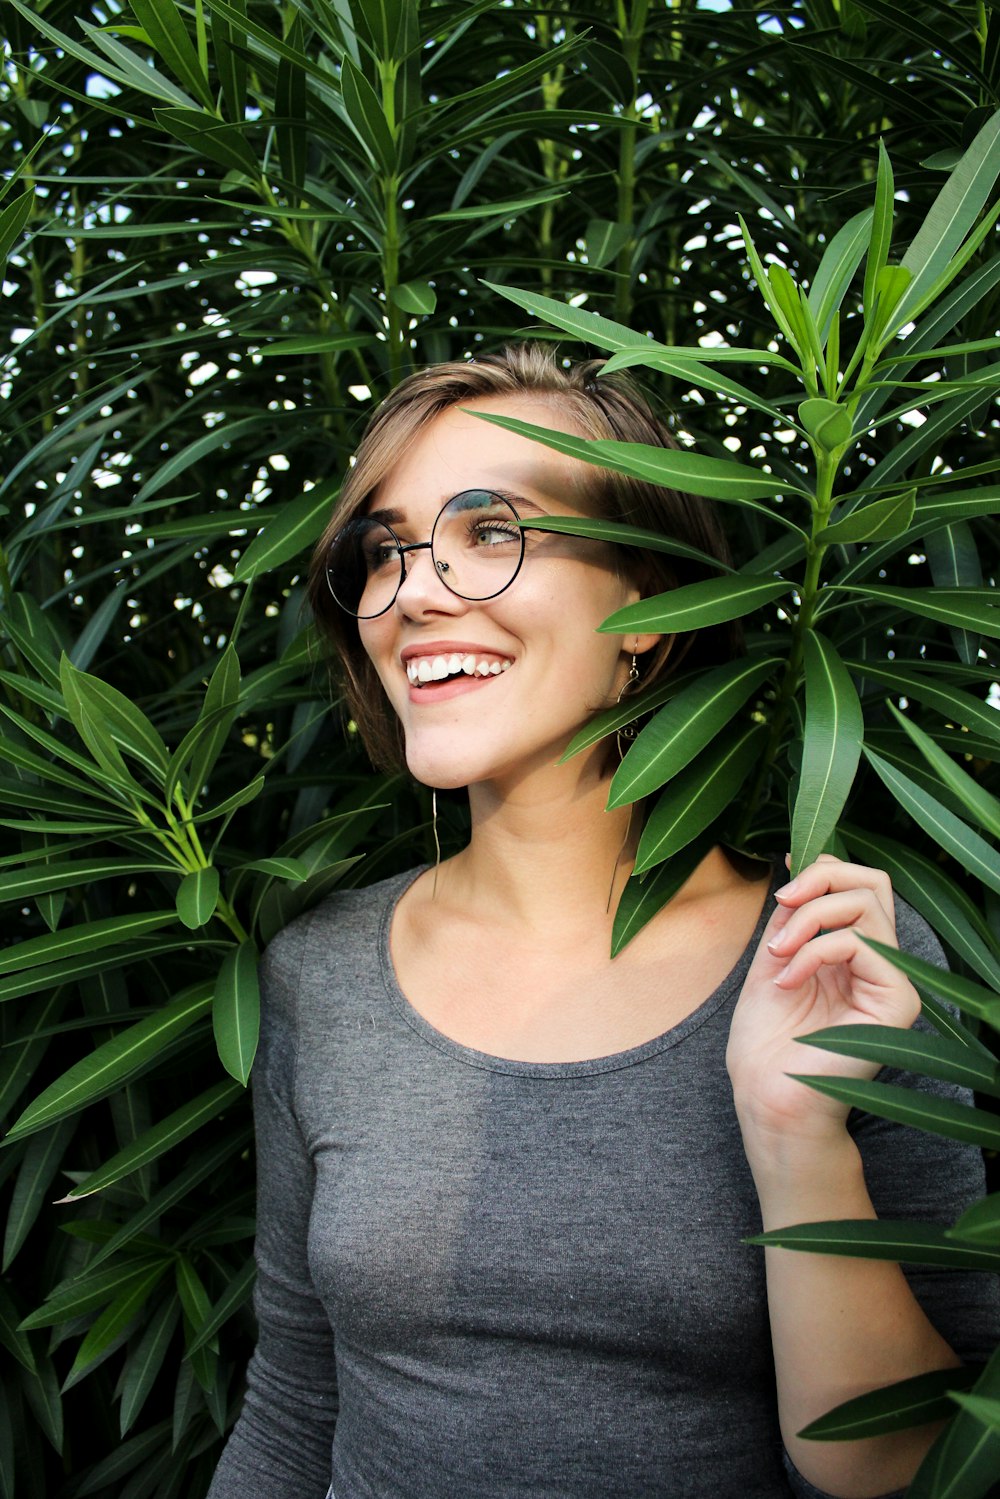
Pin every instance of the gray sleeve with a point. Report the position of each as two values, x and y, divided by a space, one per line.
915 1175
280 1446
912 1174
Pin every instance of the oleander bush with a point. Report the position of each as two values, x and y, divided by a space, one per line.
228 228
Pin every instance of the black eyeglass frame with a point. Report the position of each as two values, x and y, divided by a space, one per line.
402 547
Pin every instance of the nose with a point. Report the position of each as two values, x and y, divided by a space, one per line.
423 589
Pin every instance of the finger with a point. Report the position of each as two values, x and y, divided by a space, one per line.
828 874
859 908
876 984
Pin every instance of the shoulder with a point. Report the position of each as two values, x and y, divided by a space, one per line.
342 926
915 936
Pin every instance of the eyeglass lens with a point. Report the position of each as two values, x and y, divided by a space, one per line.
476 548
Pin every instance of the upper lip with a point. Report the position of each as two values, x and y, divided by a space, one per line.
449 648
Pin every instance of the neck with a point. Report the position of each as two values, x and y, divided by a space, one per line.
543 852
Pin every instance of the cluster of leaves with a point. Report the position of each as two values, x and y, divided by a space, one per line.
793 719
229 226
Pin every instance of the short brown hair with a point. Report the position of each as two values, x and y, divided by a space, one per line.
611 407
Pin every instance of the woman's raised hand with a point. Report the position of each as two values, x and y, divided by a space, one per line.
813 970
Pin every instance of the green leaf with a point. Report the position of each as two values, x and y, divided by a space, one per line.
296 526
115 1319
80 1295
962 608
126 1458
415 297
162 23
207 1159
604 239
236 1011
145 1361
835 273
367 118
85 937
237 1292
834 731
12 1338
126 724
881 1239
881 229
209 443
315 343
587 326
697 796
154 1142
90 725
984 1409
952 215
42 1160
938 1116
697 372
953 557
896 1407
277 868
224 144
965 1459
958 707
619 534
233 803
928 1055
696 605
198 896
12 222
692 473
948 831
680 731
112 1062
219 710
980 1222
642 898
982 807
962 992
879 520
603 724
19 884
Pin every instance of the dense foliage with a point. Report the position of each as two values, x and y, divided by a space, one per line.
227 228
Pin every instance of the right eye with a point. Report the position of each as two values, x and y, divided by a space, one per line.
379 554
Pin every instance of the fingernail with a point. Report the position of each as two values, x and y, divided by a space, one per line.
788 889
776 944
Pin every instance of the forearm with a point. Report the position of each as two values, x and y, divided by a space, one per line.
840 1326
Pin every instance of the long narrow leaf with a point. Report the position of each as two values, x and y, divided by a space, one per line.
930 1056
939 1116
896 1407
171 1131
882 1239
119 1058
834 731
697 796
950 832
680 731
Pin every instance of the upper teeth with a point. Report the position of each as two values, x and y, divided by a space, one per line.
436 668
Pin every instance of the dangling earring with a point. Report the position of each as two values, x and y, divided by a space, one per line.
437 844
624 737
628 731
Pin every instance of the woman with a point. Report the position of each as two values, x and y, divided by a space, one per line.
503 1179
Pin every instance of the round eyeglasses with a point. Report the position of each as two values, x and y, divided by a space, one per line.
476 547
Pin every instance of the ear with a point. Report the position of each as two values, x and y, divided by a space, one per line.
638 645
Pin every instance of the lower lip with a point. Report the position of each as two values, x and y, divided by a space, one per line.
442 692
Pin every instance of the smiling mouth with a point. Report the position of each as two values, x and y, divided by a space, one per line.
422 670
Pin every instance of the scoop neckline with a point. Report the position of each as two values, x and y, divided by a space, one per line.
585 1067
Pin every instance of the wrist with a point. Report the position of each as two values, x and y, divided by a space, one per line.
803 1180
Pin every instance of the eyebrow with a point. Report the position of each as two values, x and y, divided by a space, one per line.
523 506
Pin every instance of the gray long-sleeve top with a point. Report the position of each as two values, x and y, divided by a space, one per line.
482 1278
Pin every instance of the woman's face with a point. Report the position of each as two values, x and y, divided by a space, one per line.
551 670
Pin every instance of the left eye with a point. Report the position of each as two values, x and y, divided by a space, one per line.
493 534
